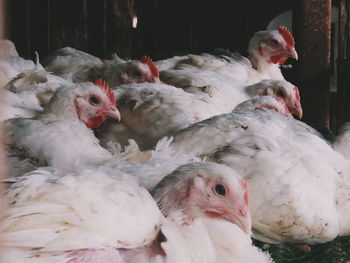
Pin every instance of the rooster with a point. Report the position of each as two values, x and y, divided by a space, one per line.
104 216
61 134
79 66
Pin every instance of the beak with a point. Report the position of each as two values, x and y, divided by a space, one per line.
296 109
240 218
292 53
114 113
243 221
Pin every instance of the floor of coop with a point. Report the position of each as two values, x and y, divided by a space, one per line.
336 251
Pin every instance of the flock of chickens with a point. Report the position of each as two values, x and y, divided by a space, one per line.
179 160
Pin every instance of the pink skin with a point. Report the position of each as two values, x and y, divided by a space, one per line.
278 49
138 75
93 110
207 196
232 206
293 103
281 107
281 55
291 100
144 71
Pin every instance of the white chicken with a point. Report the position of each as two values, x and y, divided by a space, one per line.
224 78
13 65
151 111
28 92
7 49
79 66
267 50
61 134
298 184
96 216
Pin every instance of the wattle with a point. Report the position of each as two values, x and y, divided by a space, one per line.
96 122
278 59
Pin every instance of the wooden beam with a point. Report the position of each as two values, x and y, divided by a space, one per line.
119 16
312 30
345 63
341 63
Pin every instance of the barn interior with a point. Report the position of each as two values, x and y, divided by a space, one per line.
165 28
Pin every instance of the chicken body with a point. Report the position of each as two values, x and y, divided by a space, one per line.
27 93
60 135
267 49
106 217
298 183
151 111
78 66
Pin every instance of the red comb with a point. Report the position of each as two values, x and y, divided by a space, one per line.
147 60
287 35
106 89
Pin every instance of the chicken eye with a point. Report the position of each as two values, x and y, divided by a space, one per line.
220 189
274 43
281 94
136 74
94 100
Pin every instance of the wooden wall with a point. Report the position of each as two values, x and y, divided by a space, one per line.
99 27
165 27
170 27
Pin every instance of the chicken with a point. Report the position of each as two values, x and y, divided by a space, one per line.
264 102
267 50
10 63
61 134
106 217
79 66
197 139
224 92
7 48
12 66
225 78
151 111
298 184
29 91
28 86
64 213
